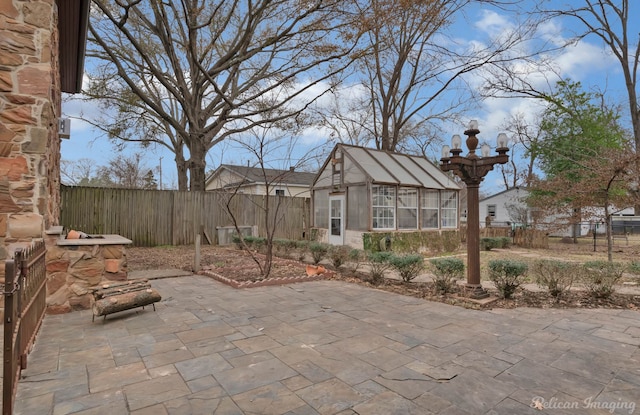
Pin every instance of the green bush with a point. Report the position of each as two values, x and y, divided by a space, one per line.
379 264
505 242
599 277
446 272
556 276
634 267
507 275
408 266
339 254
256 243
487 244
318 251
355 258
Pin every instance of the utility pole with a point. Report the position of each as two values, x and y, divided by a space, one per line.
160 172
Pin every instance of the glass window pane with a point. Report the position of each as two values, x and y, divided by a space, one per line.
357 208
407 208
449 208
430 203
321 208
383 202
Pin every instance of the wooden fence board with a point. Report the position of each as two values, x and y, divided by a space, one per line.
164 217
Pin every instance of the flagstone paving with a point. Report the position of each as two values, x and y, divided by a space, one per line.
328 347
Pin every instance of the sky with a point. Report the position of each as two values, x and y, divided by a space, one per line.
587 61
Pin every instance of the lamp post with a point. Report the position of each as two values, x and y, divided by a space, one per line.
472 169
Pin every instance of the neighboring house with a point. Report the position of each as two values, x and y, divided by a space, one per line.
254 181
41 56
505 209
509 209
364 190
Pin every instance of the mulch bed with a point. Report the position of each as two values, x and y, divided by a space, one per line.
237 268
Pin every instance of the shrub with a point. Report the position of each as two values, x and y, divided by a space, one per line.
379 263
446 272
487 244
318 251
409 266
280 245
556 276
507 275
301 249
599 277
355 258
505 242
255 242
339 254
634 267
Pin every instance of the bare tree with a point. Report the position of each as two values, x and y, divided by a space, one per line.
189 74
75 172
271 146
525 137
409 68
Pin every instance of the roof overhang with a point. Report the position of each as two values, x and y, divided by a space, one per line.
73 22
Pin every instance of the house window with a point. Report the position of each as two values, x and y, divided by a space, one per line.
383 204
449 208
430 209
279 192
491 211
407 208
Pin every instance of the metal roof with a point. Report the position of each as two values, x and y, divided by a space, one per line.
395 168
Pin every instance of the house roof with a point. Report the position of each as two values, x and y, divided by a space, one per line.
516 189
251 175
394 168
73 20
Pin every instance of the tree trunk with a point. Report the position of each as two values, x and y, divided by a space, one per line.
181 166
198 164
126 301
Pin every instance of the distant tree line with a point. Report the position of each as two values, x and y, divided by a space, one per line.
122 171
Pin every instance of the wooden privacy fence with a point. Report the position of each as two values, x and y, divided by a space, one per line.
531 238
24 308
166 217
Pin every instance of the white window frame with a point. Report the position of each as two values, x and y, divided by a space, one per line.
426 207
388 205
407 201
492 210
446 210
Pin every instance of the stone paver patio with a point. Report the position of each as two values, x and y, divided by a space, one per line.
329 347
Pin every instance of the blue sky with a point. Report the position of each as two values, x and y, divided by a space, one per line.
586 61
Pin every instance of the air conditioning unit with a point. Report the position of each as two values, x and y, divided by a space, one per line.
64 127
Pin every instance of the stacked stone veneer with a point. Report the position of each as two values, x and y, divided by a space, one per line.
29 109
73 272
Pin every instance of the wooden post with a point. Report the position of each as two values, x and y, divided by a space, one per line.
196 258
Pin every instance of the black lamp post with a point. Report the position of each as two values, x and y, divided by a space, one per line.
472 169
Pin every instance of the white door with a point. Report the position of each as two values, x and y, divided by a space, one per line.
336 220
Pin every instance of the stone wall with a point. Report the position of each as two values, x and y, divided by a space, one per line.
73 272
29 110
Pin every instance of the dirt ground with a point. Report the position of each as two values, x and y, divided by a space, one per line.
239 265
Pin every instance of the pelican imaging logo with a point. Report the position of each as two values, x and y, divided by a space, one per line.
619 406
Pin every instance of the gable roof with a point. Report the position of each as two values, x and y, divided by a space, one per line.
516 189
251 175
388 167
